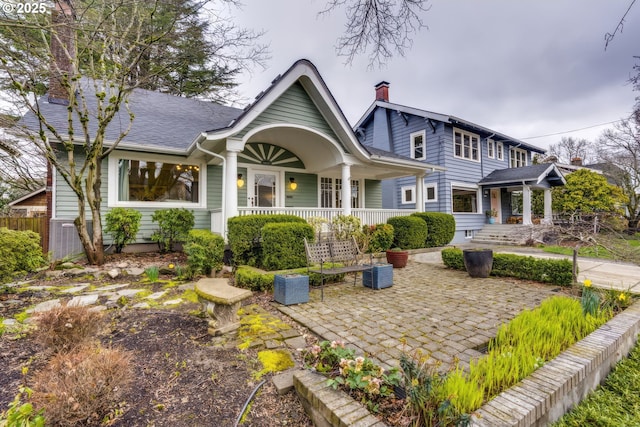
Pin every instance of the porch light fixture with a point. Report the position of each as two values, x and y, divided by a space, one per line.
293 184
240 181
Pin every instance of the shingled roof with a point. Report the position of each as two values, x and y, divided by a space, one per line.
529 175
162 122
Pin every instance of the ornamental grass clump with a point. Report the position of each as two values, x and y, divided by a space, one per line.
523 345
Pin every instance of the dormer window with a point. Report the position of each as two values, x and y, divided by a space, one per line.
466 145
418 145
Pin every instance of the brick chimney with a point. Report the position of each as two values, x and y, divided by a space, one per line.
576 161
382 91
62 48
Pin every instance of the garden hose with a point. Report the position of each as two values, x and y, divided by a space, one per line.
246 405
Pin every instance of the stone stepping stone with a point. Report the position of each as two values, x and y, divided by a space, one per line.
75 289
172 302
111 287
296 343
157 295
128 292
83 300
45 306
135 271
142 305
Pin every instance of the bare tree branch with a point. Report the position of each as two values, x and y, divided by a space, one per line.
381 27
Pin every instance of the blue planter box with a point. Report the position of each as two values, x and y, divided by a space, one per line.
291 289
379 277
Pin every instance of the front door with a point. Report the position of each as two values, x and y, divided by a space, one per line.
264 189
495 204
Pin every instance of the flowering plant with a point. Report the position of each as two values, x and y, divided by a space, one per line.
358 374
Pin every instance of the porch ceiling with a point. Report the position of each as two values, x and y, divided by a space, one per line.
315 151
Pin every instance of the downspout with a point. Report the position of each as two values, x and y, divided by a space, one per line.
224 191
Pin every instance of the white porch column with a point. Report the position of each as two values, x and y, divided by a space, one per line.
420 193
548 213
346 189
526 205
231 178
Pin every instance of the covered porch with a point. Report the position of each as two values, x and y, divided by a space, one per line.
293 151
508 192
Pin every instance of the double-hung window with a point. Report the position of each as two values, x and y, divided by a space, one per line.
466 145
431 192
491 148
499 150
518 158
418 145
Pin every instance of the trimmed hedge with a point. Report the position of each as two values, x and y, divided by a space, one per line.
256 280
245 236
409 232
554 271
441 228
283 245
20 253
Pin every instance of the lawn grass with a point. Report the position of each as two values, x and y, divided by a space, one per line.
594 251
615 403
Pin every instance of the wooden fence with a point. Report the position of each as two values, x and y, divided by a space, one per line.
38 225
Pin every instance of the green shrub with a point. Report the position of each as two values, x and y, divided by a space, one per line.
20 253
378 237
256 280
174 227
554 271
205 251
409 232
441 228
122 224
245 236
251 279
452 258
283 245
345 226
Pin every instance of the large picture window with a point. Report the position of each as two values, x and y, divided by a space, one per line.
466 145
138 180
464 200
157 182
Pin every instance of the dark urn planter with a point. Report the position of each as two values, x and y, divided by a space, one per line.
397 258
478 262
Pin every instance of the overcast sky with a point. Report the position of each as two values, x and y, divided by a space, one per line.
524 68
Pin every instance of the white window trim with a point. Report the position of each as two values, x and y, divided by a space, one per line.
499 150
403 191
433 185
412 138
518 150
469 187
468 234
491 153
361 186
470 134
113 184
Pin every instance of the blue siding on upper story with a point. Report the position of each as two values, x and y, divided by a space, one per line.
388 129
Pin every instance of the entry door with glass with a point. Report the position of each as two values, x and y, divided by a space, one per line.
264 189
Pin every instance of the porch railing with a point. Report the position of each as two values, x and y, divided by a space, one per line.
366 216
